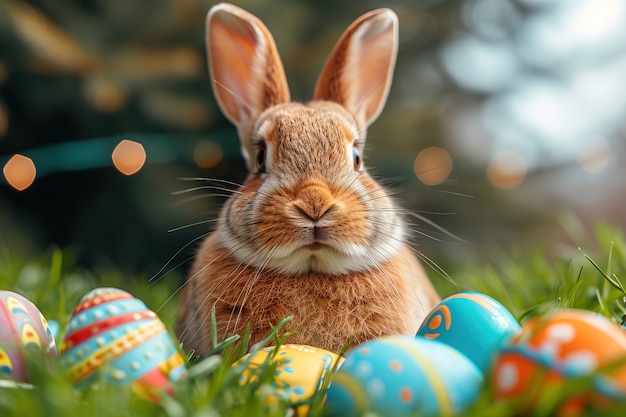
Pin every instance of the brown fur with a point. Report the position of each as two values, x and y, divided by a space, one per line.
328 311
309 234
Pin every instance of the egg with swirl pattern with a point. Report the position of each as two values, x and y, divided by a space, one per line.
475 324
560 350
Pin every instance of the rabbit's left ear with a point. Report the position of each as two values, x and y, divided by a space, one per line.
359 70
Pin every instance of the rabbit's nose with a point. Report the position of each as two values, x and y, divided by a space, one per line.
314 200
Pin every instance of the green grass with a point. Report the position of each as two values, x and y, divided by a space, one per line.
529 284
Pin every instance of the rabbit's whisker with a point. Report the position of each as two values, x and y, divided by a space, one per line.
432 264
196 311
435 225
394 288
206 187
426 259
160 273
187 226
241 101
218 180
456 193
236 275
249 285
200 197
211 295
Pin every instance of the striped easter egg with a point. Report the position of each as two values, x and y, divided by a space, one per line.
113 337
399 376
24 336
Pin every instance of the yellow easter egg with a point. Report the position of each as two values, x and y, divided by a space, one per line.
300 370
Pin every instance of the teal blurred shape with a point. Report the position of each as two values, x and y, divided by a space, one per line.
96 153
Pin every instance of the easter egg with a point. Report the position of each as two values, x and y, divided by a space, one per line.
24 335
473 323
562 346
113 337
300 370
399 376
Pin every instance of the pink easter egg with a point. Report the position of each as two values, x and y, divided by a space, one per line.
24 336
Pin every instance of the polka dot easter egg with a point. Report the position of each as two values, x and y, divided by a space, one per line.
473 323
113 337
398 376
300 372
24 336
564 345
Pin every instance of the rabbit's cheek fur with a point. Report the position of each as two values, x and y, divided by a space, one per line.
312 226
311 210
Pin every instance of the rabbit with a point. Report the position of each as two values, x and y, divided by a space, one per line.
309 234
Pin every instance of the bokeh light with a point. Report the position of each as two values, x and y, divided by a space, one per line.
207 154
20 172
105 96
541 78
507 170
433 165
596 158
129 156
496 60
550 74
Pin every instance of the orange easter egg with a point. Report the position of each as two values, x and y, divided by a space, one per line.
566 345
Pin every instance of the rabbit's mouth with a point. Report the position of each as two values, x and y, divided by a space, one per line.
315 246
318 248
317 236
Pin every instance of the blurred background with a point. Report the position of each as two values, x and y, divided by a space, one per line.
504 127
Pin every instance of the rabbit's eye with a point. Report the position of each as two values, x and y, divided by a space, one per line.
260 159
356 156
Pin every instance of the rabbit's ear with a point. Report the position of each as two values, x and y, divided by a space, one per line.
359 70
246 70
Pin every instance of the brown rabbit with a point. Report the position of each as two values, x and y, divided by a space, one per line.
309 234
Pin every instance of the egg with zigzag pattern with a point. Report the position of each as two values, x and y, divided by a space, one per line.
112 337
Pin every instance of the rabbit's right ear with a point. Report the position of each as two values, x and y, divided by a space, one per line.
246 71
358 72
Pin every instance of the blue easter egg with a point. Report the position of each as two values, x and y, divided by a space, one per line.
112 332
473 323
399 376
